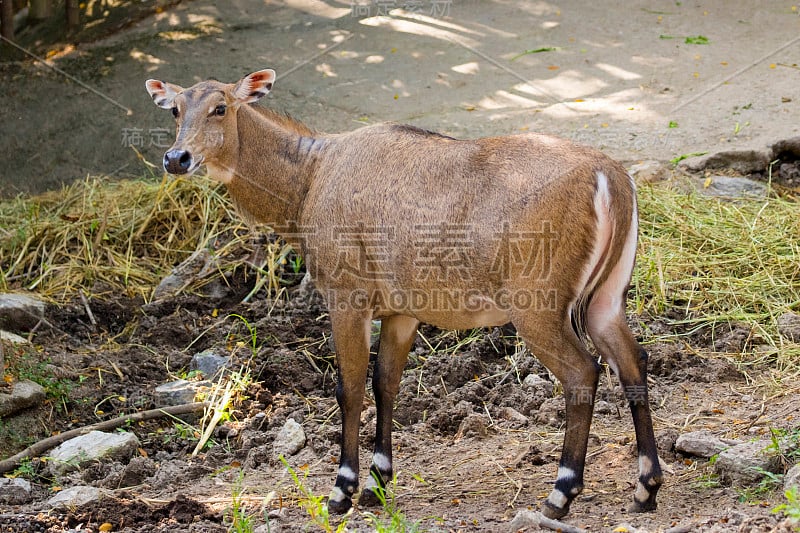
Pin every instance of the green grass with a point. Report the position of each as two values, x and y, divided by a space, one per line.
791 508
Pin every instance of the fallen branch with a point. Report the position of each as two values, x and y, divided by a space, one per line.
51 442
527 520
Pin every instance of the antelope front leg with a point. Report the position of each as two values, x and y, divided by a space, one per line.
351 336
397 336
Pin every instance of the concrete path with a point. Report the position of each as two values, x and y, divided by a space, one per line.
640 80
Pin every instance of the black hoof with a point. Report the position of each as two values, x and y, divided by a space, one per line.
339 507
551 511
643 507
370 498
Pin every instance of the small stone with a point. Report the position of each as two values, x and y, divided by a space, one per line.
180 391
603 407
290 439
210 363
512 415
474 425
730 187
13 338
20 312
701 444
537 382
86 449
15 491
23 395
792 478
77 496
666 439
649 172
744 464
789 326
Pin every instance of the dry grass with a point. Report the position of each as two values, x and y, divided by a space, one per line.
702 262
121 235
706 261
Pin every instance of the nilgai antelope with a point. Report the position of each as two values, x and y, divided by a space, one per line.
403 225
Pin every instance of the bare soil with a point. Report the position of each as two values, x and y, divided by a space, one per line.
464 460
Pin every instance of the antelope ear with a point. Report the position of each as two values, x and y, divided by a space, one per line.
254 86
163 94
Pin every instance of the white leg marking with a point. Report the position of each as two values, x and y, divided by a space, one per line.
645 465
642 493
337 495
382 462
347 473
565 473
371 483
557 499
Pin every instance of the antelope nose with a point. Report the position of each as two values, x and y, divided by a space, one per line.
177 161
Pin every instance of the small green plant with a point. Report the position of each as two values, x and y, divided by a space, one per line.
26 469
769 482
708 480
314 505
240 521
534 51
672 124
700 39
785 443
393 521
791 509
677 159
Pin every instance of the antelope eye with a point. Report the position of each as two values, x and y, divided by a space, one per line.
175 112
220 110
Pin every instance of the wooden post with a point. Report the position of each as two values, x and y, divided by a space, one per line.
73 13
7 19
40 10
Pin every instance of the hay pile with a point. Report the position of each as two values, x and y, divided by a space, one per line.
123 235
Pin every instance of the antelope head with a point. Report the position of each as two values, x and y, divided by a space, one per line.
205 114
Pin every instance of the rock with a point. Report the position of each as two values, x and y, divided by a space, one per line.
94 446
649 172
602 407
552 412
77 496
512 415
196 266
701 444
23 395
730 186
787 149
792 478
538 383
210 363
290 439
474 425
179 391
15 491
742 161
20 312
666 439
789 326
13 338
132 474
743 464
